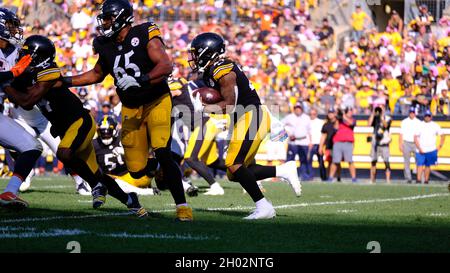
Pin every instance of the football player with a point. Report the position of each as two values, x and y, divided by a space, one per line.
12 135
202 151
250 121
70 121
110 155
135 56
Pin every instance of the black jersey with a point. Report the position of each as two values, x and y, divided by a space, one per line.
131 57
246 92
110 157
59 105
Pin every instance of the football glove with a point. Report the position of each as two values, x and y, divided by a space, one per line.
198 105
21 65
126 82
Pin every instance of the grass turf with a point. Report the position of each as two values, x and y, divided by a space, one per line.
327 218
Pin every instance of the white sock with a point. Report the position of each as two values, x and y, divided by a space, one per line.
181 205
78 179
13 185
262 202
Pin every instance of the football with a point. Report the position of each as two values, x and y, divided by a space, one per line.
208 95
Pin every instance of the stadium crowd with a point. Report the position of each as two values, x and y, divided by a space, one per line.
290 59
285 54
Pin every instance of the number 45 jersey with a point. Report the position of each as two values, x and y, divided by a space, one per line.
131 57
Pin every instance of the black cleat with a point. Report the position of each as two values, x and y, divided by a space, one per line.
135 207
99 193
192 191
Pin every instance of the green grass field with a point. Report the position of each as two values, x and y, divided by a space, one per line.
327 218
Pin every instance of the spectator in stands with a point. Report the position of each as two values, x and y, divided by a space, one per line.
396 22
316 133
343 143
326 34
298 127
406 143
106 111
360 21
380 140
424 19
427 152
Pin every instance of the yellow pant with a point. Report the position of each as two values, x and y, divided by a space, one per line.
248 133
79 137
143 182
202 145
146 127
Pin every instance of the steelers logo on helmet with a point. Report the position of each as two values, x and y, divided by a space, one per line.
107 129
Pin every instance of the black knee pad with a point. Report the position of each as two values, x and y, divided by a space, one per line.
388 166
374 163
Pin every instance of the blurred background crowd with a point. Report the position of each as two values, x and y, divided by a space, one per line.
287 48
315 55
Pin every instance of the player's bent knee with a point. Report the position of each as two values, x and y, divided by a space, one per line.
64 155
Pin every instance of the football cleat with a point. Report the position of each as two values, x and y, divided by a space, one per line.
215 189
184 214
288 171
192 191
25 185
11 201
135 207
84 189
99 196
263 212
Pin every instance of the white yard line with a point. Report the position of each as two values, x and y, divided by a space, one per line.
237 208
32 233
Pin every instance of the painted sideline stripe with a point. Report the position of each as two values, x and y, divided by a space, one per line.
369 201
31 233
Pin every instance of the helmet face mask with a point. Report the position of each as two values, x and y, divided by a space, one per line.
205 49
107 129
113 17
10 27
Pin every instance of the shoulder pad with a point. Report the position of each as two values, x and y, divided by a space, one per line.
49 74
221 68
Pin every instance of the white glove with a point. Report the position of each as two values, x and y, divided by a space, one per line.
126 82
198 105
221 124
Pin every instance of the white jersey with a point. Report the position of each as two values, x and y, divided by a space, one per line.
6 63
34 118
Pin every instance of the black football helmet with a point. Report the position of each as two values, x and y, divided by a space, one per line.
10 27
205 49
107 129
114 16
41 49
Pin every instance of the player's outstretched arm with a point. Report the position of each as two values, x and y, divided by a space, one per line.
163 65
228 91
28 98
93 76
17 69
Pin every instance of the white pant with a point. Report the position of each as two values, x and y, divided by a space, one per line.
15 137
45 135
